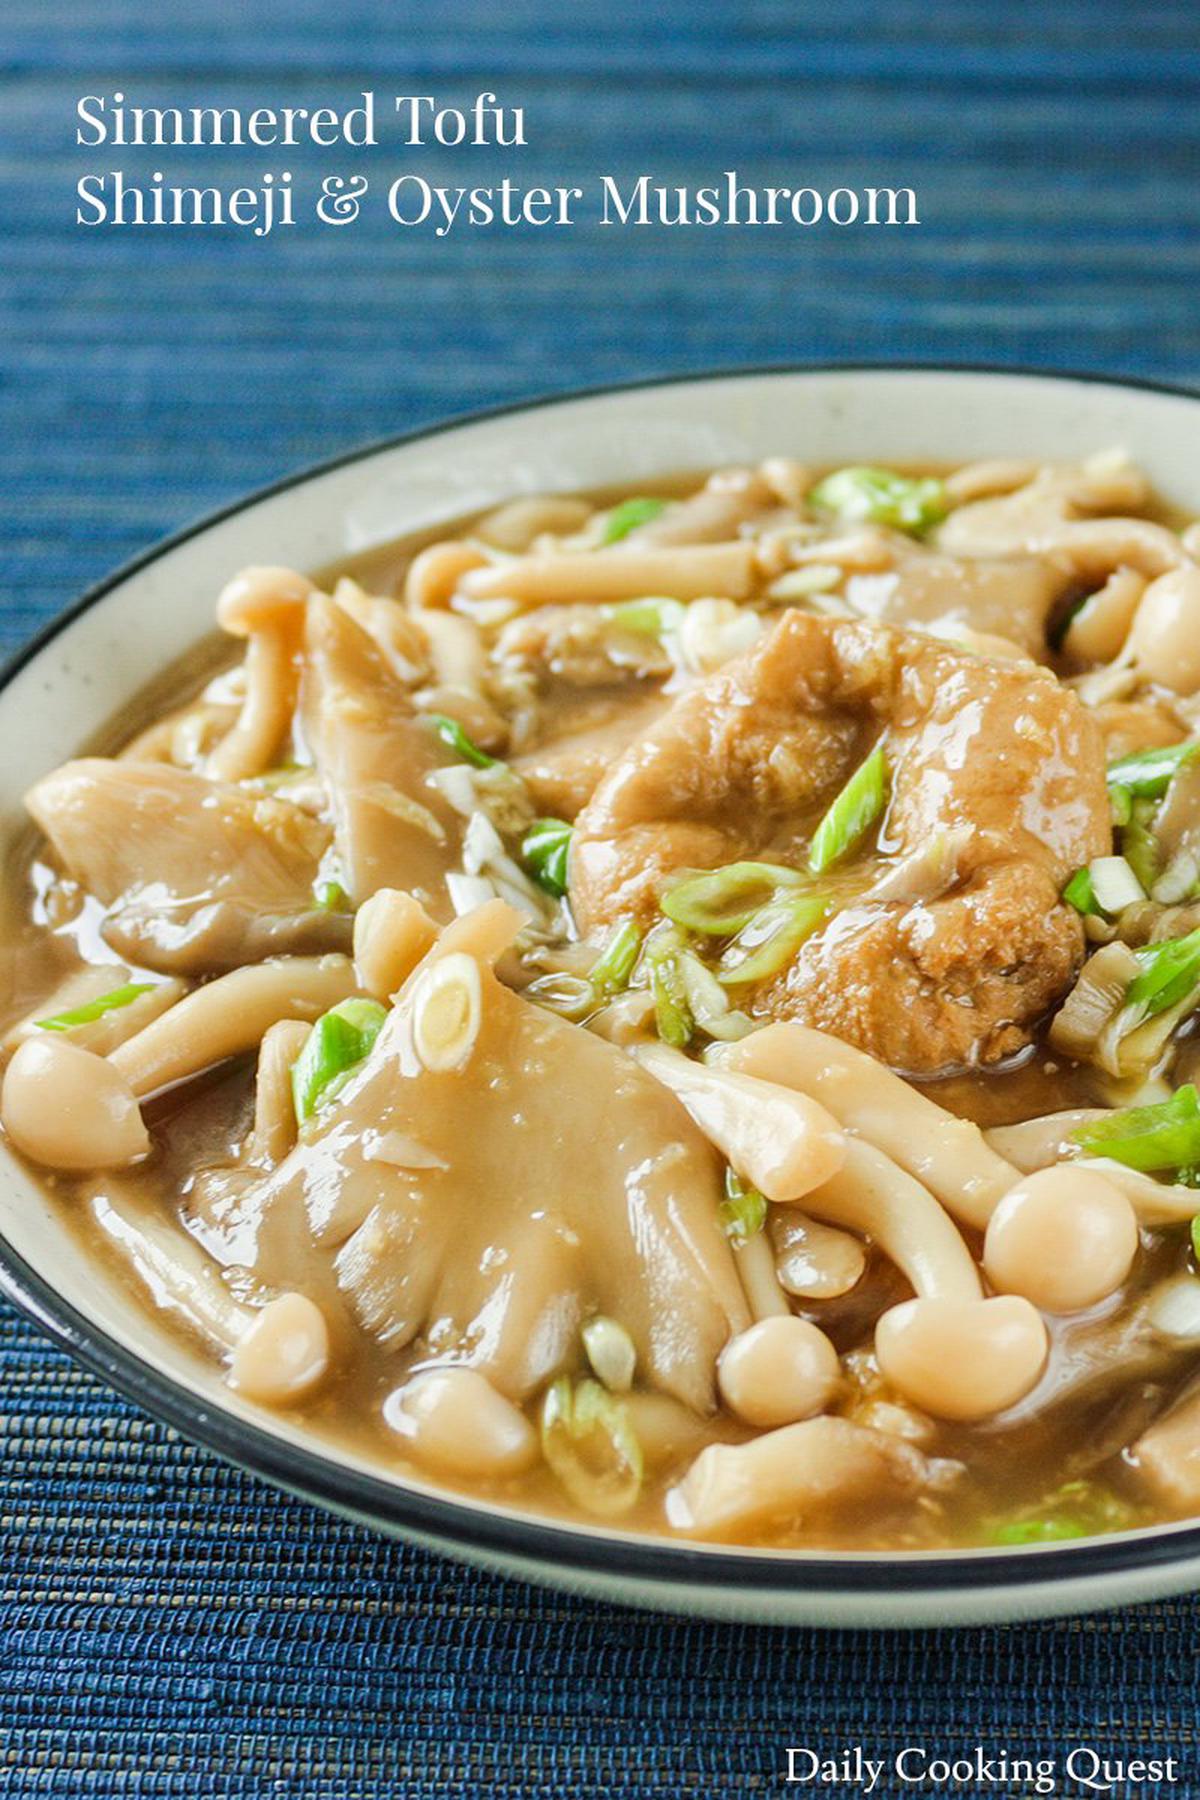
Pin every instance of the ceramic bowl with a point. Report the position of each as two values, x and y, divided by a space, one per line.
89 663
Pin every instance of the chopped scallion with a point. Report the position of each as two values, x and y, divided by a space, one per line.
1120 805
331 896
456 739
1053 1528
648 617
1139 844
1170 972
1154 1139
337 1043
1114 884
720 902
1081 893
91 1010
1078 1509
772 938
882 497
672 1016
589 1442
1147 774
852 814
611 971
545 849
743 1210
629 515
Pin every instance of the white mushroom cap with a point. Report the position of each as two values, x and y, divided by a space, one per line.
1164 639
1065 1238
260 599
454 1420
783 1142
283 1354
962 1359
779 1371
69 1108
392 932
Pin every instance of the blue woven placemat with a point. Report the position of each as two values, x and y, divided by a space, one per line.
167 1627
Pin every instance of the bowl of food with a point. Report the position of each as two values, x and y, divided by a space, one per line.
611 988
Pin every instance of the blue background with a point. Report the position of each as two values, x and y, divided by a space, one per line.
167 1627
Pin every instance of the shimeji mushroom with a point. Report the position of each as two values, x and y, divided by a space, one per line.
72 1109
1163 645
230 1016
691 572
265 605
1041 1143
732 1490
277 1352
778 1372
273 1132
948 1155
783 1143
814 1261
1065 1238
69 1109
433 575
392 932
453 1420
950 1351
1097 631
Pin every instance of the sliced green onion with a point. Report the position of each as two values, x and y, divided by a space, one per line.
1114 884
544 850
91 1010
331 896
708 1002
1055 1528
852 814
589 1442
1120 803
1139 844
568 995
1081 893
722 901
456 739
612 968
772 938
337 1043
1153 1139
648 617
1079 1509
629 514
743 1211
672 1015
1170 972
1147 774
882 497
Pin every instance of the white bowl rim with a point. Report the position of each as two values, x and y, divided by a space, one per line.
550 1550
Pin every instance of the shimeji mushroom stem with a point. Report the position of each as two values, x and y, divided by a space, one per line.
265 605
783 1143
948 1155
277 1351
230 1016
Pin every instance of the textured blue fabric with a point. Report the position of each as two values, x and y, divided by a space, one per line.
168 1627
